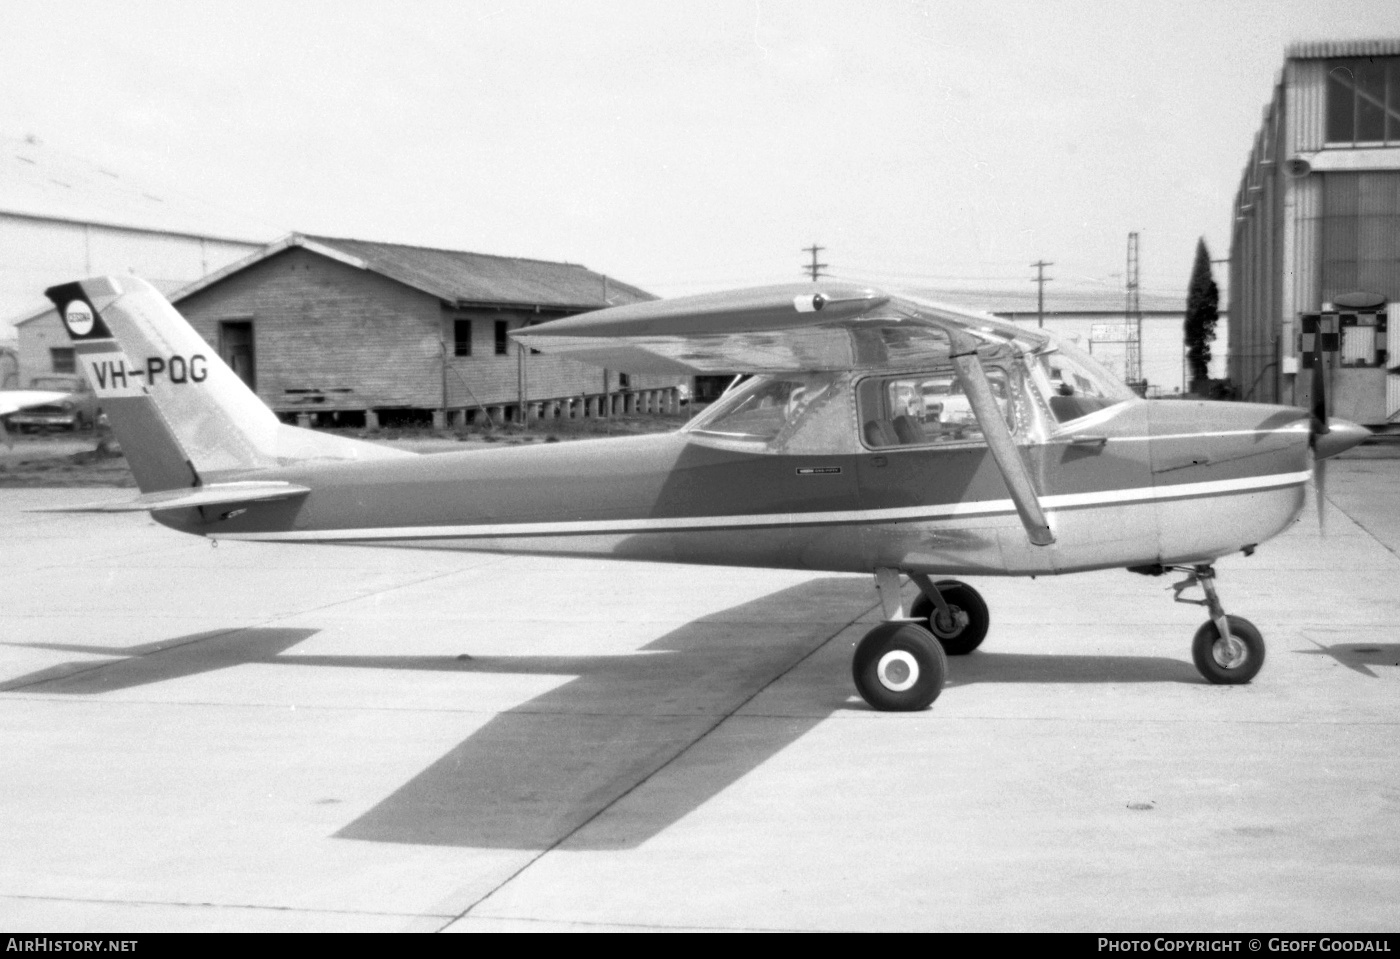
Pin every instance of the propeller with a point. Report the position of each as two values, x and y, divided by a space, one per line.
1320 427
1326 436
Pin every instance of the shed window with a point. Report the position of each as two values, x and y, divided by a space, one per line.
1363 101
61 359
461 337
502 341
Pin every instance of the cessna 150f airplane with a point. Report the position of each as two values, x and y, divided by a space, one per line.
877 435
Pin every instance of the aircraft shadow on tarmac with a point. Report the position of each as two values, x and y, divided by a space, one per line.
986 666
156 662
1358 657
533 775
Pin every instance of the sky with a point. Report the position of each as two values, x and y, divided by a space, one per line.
686 147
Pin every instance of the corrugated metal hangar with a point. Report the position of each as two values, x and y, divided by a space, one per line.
1317 231
62 217
338 331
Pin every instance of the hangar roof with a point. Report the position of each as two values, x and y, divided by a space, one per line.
41 182
1057 302
1329 49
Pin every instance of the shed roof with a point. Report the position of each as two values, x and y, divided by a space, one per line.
457 276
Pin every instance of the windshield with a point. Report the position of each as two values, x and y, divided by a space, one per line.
1078 385
64 384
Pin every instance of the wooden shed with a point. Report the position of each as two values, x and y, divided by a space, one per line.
354 331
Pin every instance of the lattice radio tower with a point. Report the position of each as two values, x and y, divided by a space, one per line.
1132 316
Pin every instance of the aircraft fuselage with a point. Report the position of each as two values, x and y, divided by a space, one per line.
1156 482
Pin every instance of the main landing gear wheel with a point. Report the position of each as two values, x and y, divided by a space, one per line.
1228 664
969 620
899 667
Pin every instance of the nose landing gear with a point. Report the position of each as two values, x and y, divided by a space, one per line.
1228 650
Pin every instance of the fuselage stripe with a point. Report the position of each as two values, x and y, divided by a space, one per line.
946 511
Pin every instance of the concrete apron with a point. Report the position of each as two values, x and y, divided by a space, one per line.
265 737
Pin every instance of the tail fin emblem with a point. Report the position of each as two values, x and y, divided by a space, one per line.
78 316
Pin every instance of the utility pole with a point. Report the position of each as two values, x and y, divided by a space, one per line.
1132 314
1040 280
814 268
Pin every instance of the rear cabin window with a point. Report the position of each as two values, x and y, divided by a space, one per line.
761 411
923 409
807 413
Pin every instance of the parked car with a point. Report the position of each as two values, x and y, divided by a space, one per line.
76 411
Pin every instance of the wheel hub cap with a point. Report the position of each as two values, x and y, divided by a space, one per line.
950 625
897 670
1228 653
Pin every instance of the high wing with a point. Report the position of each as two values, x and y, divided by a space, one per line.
810 327
790 328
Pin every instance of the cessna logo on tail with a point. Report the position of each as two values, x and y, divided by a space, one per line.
78 316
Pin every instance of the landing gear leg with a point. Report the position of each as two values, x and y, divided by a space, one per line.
1228 650
898 666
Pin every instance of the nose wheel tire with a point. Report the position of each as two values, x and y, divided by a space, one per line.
899 667
1228 664
970 617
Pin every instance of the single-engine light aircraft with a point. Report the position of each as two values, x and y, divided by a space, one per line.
874 434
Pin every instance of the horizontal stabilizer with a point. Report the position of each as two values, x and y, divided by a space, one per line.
215 494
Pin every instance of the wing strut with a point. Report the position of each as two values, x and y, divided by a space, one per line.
1004 451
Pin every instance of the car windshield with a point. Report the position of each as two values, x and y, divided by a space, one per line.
52 383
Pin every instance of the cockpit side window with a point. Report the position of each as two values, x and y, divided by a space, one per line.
921 409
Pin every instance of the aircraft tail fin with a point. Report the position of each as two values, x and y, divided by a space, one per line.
180 413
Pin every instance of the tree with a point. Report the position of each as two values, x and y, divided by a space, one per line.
1202 312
